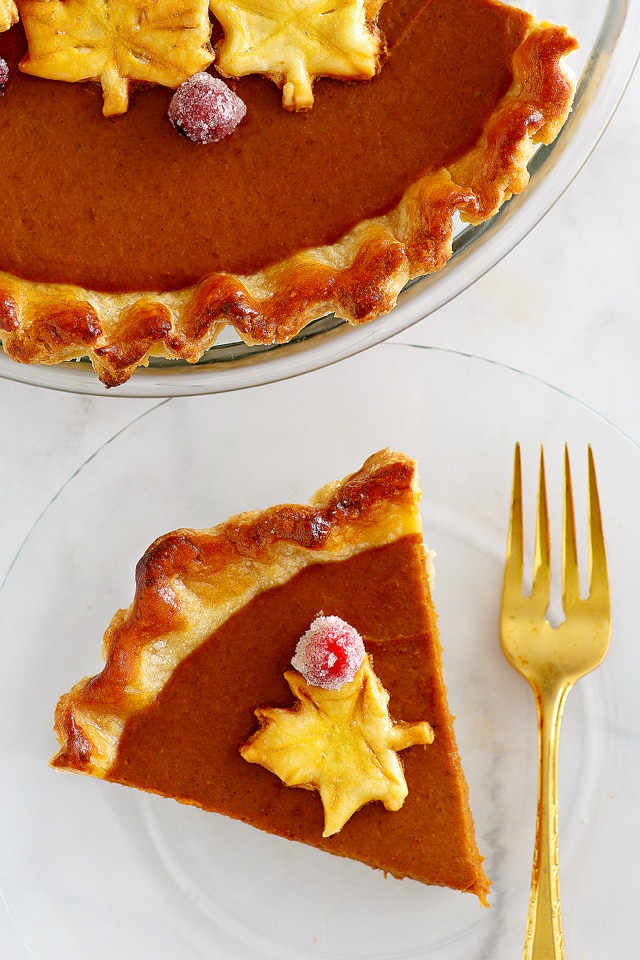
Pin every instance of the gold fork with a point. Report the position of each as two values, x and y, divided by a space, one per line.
552 659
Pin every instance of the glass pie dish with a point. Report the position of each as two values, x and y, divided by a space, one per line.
609 36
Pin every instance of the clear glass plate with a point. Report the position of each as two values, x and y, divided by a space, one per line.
609 34
92 869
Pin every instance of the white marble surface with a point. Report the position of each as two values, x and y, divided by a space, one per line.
563 306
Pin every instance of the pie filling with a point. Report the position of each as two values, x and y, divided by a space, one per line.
126 204
185 744
123 241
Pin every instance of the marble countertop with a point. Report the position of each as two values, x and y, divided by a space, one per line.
564 306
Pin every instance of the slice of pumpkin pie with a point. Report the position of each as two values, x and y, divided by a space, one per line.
284 668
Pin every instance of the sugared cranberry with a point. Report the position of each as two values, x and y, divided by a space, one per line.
4 75
205 109
329 654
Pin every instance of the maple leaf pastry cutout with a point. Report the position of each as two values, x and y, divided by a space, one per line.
295 41
8 14
342 743
116 42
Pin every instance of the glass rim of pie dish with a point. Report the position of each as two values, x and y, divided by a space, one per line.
603 66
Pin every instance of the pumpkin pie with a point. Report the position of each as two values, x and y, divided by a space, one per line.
204 655
123 241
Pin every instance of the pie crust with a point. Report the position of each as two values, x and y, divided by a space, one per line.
358 278
209 637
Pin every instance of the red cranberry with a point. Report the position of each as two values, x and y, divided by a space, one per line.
205 109
329 653
4 75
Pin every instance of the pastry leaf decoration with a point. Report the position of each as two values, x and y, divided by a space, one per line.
295 41
116 42
8 14
341 743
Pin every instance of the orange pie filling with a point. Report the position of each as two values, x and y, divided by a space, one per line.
122 239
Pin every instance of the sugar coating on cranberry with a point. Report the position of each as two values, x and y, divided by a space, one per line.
329 654
4 75
205 109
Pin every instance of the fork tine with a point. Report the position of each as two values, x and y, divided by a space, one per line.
598 575
515 550
541 561
570 575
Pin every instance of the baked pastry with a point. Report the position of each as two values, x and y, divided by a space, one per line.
214 624
123 241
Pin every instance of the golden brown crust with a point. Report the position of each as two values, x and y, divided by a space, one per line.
190 581
358 278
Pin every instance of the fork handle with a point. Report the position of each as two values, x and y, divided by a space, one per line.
544 940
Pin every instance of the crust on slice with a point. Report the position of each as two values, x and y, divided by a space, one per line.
358 278
189 582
